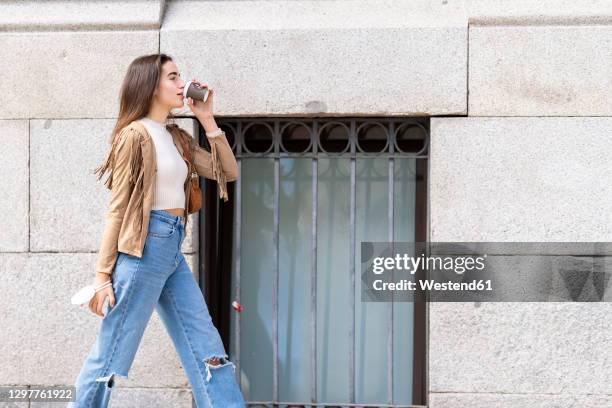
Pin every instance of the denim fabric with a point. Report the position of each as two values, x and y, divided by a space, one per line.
160 280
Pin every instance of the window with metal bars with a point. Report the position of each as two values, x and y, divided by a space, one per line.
286 246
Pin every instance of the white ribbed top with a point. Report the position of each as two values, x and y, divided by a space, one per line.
171 168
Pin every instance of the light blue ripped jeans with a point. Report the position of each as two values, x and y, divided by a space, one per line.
160 280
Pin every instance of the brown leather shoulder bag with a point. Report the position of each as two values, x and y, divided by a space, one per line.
195 193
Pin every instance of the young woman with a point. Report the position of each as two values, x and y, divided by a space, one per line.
140 265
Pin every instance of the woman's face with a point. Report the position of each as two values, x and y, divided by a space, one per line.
169 93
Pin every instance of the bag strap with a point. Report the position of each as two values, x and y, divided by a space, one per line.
187 149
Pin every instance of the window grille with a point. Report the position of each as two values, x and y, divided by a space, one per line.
317 138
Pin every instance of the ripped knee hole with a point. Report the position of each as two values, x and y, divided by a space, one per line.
215 361
110 379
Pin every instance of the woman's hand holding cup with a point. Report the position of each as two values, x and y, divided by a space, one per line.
201 109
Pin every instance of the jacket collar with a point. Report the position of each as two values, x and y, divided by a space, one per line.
146 136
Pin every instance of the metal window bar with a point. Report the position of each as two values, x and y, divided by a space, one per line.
414 144
275 285
313 270
353 193
391 199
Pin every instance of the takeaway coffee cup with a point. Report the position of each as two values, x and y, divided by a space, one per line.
193 91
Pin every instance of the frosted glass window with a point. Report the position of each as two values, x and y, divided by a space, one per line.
333 286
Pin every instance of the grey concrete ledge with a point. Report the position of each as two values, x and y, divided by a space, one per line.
487 400
308 14
356 57
51 15
544 12
80 15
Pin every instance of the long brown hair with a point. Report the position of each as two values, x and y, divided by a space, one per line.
135 100
136 93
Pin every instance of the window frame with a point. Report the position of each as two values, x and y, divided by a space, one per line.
216 220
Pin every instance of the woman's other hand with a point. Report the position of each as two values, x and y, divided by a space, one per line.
97 301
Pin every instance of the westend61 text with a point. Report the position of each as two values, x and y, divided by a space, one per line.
429 284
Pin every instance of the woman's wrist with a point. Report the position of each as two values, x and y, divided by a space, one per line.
214 133
208 123
102 276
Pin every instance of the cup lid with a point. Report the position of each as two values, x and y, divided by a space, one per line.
186 88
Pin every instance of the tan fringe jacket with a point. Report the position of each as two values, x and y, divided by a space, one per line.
131 161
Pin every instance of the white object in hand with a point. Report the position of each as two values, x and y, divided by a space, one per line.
84 295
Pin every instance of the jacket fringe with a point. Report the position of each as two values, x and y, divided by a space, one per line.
137 179
136 171
108 165
218 173
217 167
